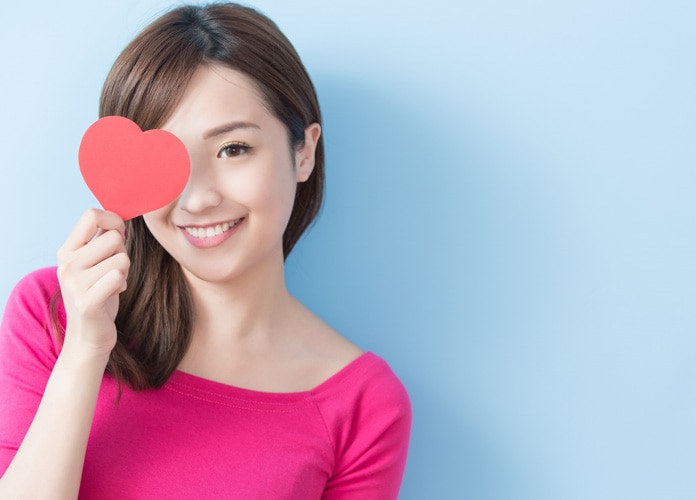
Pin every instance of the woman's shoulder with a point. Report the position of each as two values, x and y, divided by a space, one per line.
366 380
316 350
35 290
345 376
367 413
32 314
43 280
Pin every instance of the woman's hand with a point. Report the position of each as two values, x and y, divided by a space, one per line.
92 271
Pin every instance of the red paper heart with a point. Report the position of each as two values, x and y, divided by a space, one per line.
132 172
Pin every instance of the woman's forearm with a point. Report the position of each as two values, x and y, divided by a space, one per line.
49 462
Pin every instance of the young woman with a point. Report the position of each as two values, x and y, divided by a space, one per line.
164 357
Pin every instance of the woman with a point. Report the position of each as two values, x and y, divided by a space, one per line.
164 357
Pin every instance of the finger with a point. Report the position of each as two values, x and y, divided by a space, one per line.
109 285
107 244
118 262
97 302
88 227
109 277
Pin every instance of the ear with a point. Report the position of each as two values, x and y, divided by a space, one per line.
304 157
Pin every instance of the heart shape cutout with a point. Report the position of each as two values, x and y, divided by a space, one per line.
129 171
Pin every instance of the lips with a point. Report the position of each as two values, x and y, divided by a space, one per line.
210 235
212 230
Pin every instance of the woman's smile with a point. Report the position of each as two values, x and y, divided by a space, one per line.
243 180
211 235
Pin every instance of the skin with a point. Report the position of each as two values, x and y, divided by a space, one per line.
92 270
248 330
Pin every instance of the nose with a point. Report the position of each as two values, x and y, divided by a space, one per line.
201 192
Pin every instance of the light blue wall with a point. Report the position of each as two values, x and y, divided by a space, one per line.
509 219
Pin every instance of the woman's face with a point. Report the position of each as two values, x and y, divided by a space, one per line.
231 216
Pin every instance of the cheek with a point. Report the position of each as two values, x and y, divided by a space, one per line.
270 191
156 220
150 219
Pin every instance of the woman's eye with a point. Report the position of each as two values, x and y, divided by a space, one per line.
231 150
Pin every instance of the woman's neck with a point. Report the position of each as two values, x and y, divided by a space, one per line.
244 313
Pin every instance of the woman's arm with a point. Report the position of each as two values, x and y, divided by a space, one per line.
49 461
92 271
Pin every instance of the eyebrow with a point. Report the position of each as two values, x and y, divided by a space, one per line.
228 127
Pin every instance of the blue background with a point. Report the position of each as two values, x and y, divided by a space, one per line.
509 219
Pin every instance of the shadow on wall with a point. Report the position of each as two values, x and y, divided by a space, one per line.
405 262
450 458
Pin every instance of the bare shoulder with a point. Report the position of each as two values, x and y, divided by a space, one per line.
318 347
320 340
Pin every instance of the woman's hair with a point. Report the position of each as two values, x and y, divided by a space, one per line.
145 85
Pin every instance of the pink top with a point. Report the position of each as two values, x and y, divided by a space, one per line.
194 438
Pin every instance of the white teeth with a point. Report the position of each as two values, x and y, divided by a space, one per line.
209 232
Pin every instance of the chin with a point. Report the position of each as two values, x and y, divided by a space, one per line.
212 275
260 266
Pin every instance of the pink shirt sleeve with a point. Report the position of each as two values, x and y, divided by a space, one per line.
370 439
28 351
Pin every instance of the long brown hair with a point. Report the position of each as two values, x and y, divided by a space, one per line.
146 84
